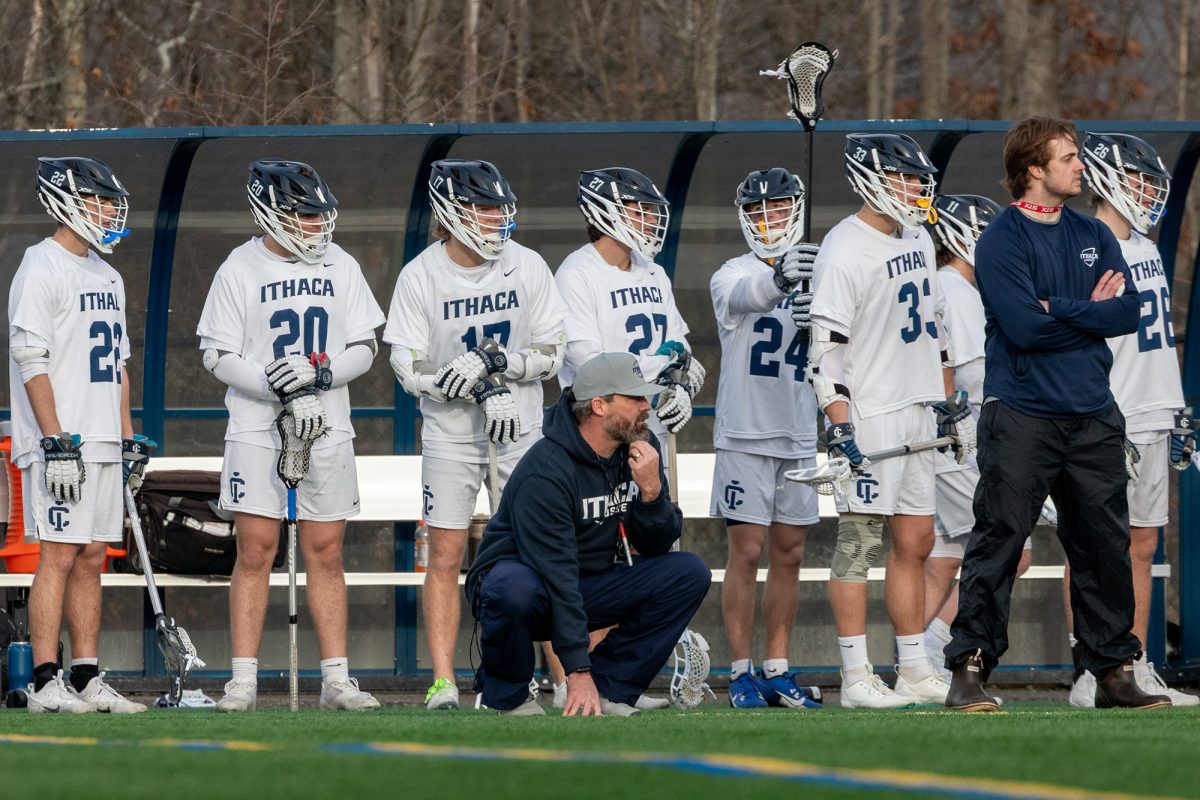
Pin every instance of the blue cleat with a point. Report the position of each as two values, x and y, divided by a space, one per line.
783 690
746 691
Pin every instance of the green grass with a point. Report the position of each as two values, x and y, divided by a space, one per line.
1148 753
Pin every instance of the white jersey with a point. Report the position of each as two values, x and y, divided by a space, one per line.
612 310
262 307
74 306
440 309
1145 372
764 404
880 292
964 320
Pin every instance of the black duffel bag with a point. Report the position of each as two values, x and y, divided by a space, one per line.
186 533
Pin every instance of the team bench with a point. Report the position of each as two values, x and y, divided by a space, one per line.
387 487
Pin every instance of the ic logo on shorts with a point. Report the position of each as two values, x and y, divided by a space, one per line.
1089 256
426 501
57 515
236 482
866 488
733 494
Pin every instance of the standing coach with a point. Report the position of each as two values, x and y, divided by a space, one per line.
1053 288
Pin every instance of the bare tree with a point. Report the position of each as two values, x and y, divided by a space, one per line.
75 83
935 57
470 76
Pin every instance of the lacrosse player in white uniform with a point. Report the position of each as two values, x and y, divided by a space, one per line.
1130 185
955 225
288 323
765 426
475 326
620 300
68 344
876 364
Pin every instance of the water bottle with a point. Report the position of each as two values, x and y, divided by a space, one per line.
421 548
20 670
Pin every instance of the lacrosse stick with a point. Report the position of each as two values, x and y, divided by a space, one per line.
805 71
838 470
688 685
292 467
176 646
493 478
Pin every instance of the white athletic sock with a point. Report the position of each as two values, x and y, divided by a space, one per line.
937 636
774 667
85 662
335 669
910 652
854 652
1071 640
245 669
740 667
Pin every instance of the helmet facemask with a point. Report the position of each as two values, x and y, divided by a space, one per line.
640 226
293 206
1139 197
97 217
484 230
888 193
772 226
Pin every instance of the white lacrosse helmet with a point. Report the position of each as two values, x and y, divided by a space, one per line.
1127 172
72 191
769 239
875 164
459 189
958 219
280 193
608 196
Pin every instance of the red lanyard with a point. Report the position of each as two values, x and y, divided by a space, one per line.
1034 207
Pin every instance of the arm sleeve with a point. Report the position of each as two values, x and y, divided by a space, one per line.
735 295
418 382
32 367
1005 281
544 528
352 362
235 371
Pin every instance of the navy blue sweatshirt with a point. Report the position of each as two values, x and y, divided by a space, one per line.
560 515
1056 364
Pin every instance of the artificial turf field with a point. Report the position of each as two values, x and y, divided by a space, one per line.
1032 750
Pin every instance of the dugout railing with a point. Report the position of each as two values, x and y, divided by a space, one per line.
189 211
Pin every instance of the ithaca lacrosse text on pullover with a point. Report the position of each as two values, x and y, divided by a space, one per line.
1051 364
560 516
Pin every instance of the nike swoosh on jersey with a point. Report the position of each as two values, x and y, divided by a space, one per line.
510 272
327 265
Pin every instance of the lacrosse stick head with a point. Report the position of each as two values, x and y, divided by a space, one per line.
293 452
805 72
688 684
825 478
179 654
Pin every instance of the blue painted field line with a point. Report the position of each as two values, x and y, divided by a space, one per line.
713 764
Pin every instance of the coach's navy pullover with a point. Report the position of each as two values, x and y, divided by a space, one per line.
560 516
1052 364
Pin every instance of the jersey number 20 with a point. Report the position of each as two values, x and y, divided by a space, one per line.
315 329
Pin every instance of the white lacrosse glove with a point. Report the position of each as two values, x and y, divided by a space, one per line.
688 684
135 454
1132 457
687 369
65 472
307 414
795 267
801 306
954 420
458 378
674 406
290 374
501 422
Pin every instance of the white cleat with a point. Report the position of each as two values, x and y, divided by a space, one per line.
648 703
345 696
1151 682
930 688
610 708
1083 691
530 708
56 698
104 698
442 695
862 688
560 695
240 697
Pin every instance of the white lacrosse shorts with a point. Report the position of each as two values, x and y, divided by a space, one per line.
97 517
449 488
250 483
752 488
901 485
1148 501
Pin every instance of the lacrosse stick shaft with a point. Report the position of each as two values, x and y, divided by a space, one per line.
916 447
493 478
135 525
808 182
293 618
673 475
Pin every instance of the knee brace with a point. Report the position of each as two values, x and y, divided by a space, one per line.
859 547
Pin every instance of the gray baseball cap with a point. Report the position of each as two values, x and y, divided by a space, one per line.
612 373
